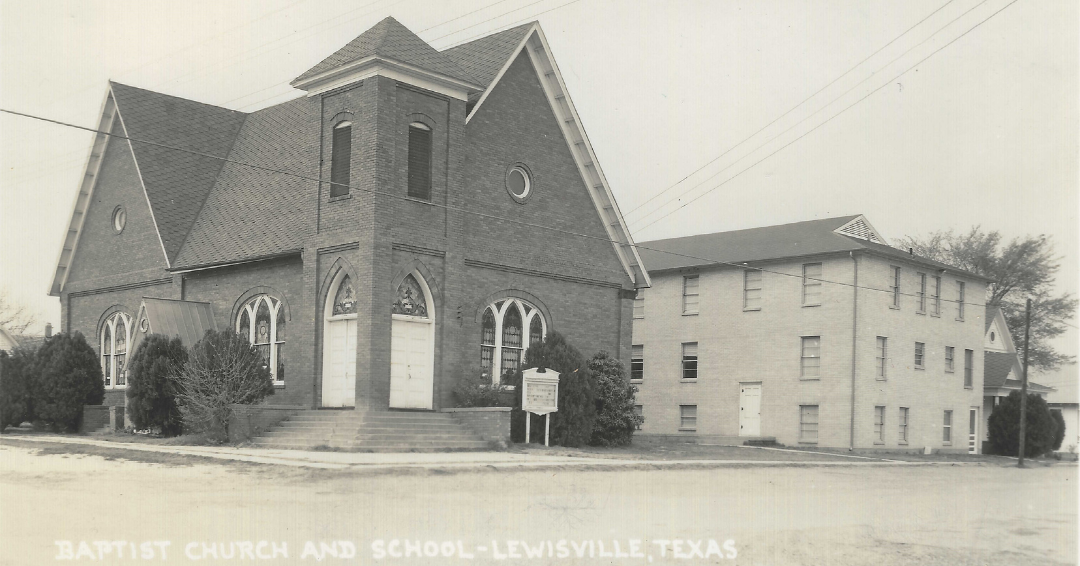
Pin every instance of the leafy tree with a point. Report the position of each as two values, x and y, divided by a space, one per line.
615 420
1022 268
1059 433
223 369
151 393
476 390
572 425
69 376
1004 427
16 376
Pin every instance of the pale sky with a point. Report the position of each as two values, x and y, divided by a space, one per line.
985 132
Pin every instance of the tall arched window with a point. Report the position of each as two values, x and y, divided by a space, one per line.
340 159
503 336
115 337
262 321
419 161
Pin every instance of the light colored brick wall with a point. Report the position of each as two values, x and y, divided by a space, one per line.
741 346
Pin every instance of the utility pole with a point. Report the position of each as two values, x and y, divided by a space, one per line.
1023 384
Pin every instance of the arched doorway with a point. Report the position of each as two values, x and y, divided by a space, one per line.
412 345
339 344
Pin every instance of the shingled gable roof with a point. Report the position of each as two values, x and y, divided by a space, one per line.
176 182
798 239
390 40
485 57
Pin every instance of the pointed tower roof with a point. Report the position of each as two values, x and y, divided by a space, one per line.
386 40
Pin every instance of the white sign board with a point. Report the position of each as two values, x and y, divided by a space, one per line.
540 391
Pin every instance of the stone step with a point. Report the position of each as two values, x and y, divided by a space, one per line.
353 444
381 425
364 434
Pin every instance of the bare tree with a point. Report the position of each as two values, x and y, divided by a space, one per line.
15 317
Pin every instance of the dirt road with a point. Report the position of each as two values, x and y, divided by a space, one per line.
63 508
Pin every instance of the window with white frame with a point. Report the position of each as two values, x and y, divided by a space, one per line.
810 363
690 294
894 286
879 424
808 423
689 360
637 362
811 284
262 321
687 417
969 362
903 421
920 355
922 293
950 354
935 298
639 304
752 289
946 427
115 337
508 327
882 356
960 300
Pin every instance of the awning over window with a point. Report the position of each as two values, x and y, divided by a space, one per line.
186 320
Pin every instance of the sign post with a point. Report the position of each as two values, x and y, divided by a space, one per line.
539 395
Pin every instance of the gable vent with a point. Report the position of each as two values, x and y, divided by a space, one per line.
858 228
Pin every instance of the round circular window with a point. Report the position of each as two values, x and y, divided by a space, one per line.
119 219
519 183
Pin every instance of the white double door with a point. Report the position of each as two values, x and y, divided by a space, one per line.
749 409
412 363
339 364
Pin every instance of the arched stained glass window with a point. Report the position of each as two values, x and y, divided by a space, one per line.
503 340
122 333
115 337
410 299
106 354
267 333
345 299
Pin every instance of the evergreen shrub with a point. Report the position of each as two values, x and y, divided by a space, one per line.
17 372
572 425
1004 427
616 420
68 377
151 392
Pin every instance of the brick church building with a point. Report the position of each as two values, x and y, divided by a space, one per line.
415 216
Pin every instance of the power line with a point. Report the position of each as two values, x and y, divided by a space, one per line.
743 265
790 110
529 19
868 95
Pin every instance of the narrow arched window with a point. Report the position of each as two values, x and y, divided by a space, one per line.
115 337
419 161
340 159
507 329
262 322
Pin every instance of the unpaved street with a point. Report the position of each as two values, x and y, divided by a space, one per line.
880 515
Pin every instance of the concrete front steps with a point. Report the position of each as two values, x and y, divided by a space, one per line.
375 431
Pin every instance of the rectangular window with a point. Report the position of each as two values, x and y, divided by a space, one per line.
950 353
639 304
920 355
879 424
946 427
340 157
808 423
637 362
936 297
882 356
895 287
922 293
640 412
752 289
687 417
689 360
811 357
968 363
960 300
419 161
811 284
903 424
690 294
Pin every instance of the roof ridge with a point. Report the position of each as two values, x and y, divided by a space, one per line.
190 100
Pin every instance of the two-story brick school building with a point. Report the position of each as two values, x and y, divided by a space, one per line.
813 333
413 216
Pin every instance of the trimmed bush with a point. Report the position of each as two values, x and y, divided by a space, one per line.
1004 427
1059 432
615 419
476 390
223 369
151 393
16 377
69 376
572 425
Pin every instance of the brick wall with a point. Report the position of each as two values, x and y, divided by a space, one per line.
491 423
94 418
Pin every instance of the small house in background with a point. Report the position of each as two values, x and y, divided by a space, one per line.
1003 370
7 341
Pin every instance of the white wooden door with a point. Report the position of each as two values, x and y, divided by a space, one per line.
339 364
412 361
750 409
973 431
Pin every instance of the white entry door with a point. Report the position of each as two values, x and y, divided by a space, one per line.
412 364
339 364
749 409
973 431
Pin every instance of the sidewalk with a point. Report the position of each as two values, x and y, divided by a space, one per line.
445 460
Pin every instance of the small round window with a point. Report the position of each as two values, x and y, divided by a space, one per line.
992 337
119 219
519 183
